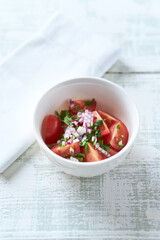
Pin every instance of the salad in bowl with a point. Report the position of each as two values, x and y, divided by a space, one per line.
83 134
86 126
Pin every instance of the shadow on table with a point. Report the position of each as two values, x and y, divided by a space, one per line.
21 163
120 67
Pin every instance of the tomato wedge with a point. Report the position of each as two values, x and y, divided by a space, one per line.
80 105
112 152
51 129
109 120
103 128
66 151
118 136
93 155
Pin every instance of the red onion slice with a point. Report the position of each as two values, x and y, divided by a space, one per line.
71 103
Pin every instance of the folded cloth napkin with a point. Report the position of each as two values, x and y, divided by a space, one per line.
60 50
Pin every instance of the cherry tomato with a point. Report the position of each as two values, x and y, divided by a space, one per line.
78 105
118 136
109 120
66 151
51 129
103 128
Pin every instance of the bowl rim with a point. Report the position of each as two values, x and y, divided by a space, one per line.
84 164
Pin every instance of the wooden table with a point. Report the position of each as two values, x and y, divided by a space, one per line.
37 201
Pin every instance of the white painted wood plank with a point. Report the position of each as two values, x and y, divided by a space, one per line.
41 202
133 24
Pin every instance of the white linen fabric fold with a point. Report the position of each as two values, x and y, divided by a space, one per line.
60 50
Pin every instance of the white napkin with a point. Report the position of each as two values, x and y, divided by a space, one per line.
60 50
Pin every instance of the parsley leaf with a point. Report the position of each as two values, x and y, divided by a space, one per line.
61 136
118 126
108 144
98 124
82 143
64 128
79 156
121 144
64 139
89 103
89 137
95 131
77 109
50 146
86 147
95 141
63 114
98 133
67 120
58 115
60 144
74 117
106 148
101 143
103 146
80 159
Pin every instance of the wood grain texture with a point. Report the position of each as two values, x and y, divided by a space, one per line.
37 201
133 24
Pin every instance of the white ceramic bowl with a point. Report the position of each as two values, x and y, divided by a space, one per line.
110 98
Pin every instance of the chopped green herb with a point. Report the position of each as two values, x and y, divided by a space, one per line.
78 110
63 114
74 117
89 103
103 146
60 144
63 139
68 121
98 133
101 143
118 126
79 156
95 132
64 128
108 144
98 124
82 143
106 148
50 146
80 159
58 115
61 136
121 144
89 137
86 147
95 141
